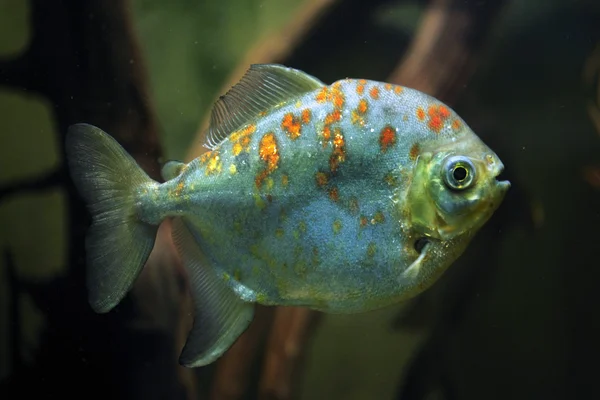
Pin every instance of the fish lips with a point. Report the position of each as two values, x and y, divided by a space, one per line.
501 185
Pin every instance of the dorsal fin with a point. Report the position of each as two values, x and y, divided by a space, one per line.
262 87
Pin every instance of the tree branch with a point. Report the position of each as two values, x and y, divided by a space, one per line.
285 352
233 375
275 48
441 57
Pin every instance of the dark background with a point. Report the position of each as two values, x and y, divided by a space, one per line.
516 317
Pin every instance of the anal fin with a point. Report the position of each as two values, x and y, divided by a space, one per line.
220 317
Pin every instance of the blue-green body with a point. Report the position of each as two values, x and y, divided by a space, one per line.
293 244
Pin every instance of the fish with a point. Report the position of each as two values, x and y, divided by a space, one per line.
341 198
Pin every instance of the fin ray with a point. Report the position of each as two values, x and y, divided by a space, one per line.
220 317
118 244
262 87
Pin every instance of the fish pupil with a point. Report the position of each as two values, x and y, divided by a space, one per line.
459 173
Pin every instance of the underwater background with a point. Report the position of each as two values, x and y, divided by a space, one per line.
515 317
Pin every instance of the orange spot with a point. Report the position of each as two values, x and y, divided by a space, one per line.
374 92
326 135
306 116
360 88
291 125
245 142
444 112
398 89
362 106
214 165
388 86
333 194
456 124
322 95
204 157
338 101
435 123
387 138
269 153
285 180
321 178
179 189
241 139
364 221
237 135
333 94
262 113
414 152
237 149
357 119
437 116
260 178
420 113
338 140
212 161
360 110
337 96
335 116
339 151
268 150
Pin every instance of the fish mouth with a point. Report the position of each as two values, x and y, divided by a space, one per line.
495 168
502 185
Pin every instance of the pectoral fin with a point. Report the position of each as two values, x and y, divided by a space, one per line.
172 169
220 317
413 269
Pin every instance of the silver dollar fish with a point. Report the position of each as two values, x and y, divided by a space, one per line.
343 198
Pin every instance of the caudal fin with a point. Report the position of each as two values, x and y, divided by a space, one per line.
118 243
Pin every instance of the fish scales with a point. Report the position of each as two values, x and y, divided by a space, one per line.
288 238
342 198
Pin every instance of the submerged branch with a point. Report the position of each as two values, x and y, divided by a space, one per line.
286 350
233 377
274 49
442 55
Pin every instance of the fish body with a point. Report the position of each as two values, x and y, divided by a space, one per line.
343 198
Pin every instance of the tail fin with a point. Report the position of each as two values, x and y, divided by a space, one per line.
118 244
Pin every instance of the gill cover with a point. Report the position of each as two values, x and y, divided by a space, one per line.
446 194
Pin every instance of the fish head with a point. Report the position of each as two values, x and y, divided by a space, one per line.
455 187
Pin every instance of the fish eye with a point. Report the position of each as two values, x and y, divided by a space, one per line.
458 172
